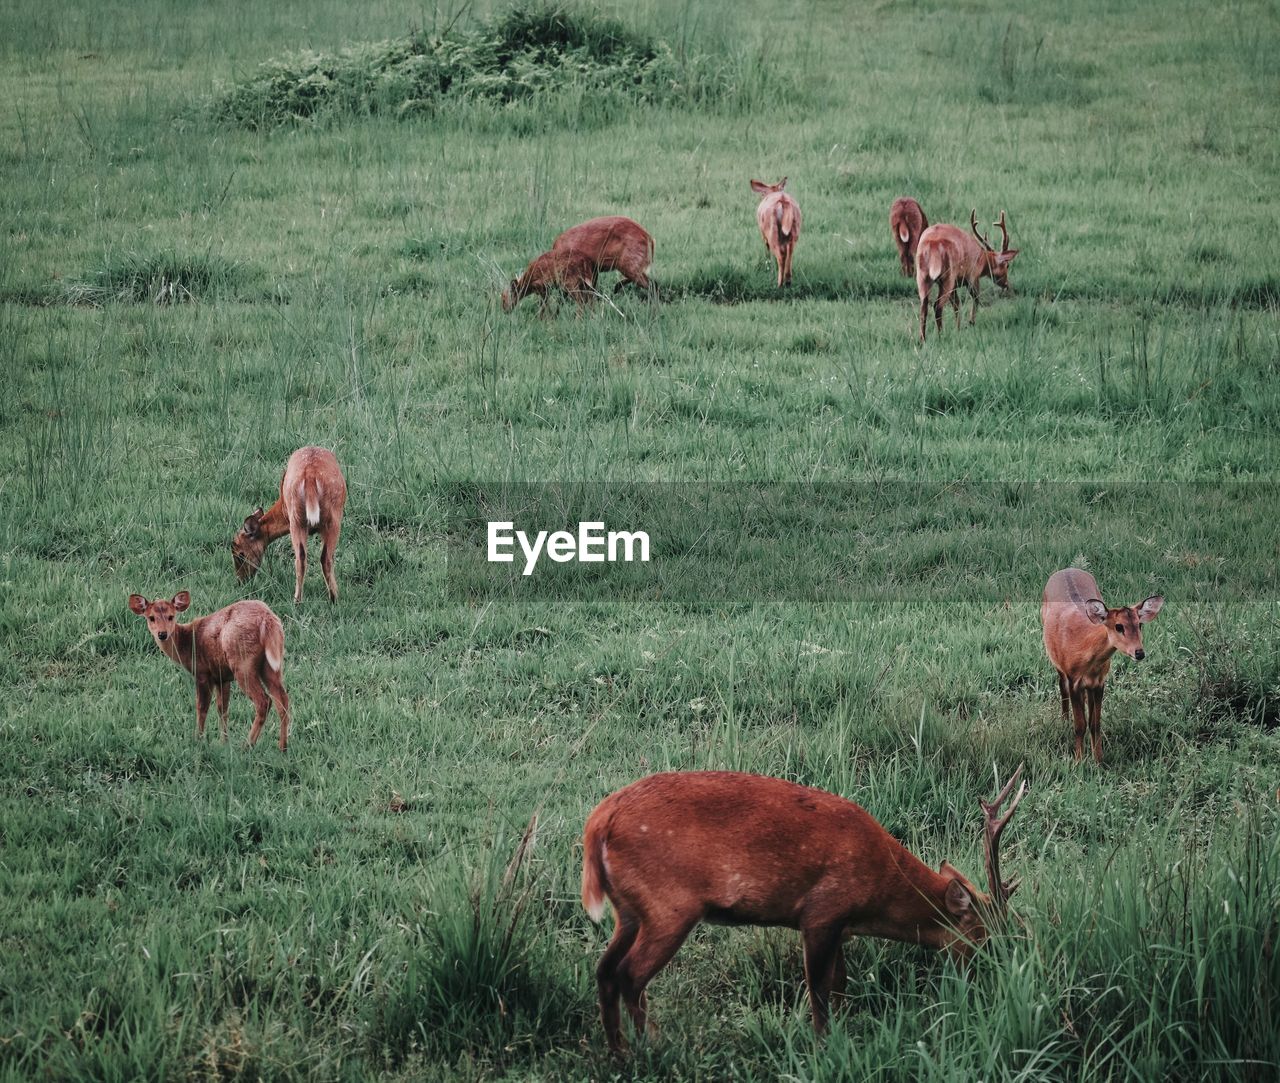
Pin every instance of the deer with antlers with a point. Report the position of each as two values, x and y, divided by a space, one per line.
678 848
947 255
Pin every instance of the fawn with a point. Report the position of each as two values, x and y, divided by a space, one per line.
779 219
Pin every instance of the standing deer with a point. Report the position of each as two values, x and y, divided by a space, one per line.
313 493
907 220
1080 636
612 243
779 218
572 273
947 255
675 849
244 642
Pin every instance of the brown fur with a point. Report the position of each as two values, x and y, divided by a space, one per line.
571 273
779 219
313 493
1080 637
243 642
612 243
907 220
675 849
947 256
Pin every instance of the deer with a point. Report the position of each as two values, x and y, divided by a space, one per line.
779 219
243 642
908 221
1080 635
947 255
612 243
572 273
313 493
678 848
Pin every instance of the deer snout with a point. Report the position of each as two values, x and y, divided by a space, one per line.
1139 655
162 636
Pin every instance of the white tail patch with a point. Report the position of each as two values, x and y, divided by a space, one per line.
312 502
935 264
904 234
595 903
274 657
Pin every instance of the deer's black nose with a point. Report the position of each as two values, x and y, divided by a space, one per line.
162 635
1139 654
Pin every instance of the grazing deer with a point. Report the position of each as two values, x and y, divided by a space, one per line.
572 273
611 243
675 849
779 218
1080 636
313 493
947 255
907 220
243 642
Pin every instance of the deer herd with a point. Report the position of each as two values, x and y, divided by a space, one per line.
678 848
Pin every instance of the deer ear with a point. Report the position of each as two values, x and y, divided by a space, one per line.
1148 609
1006 258
760 188
959 901
1096 610
181 600
138 603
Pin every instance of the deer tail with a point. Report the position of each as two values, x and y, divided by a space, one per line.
786 217
904 234
311 498
935 264
594 877
272 633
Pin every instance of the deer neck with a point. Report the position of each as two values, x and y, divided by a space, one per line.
274 522
180 646
918 912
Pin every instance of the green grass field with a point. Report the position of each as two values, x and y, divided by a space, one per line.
174 909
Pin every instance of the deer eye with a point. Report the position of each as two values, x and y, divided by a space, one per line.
1120 628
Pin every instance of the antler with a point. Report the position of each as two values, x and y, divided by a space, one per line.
1004 245
973 224
994 827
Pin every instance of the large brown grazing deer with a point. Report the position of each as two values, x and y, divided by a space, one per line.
947 256
907 220
313 493
612 243
675 849
572 273
779 219
243 642
1080 636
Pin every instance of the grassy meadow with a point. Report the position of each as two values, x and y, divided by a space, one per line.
362 906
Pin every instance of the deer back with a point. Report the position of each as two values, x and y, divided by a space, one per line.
611 243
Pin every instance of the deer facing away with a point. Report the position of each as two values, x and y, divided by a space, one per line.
313 493
243 642
946 255
675 849
1080 636
907 220
779 219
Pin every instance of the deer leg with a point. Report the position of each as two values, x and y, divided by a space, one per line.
624 935
224 698
973 312
328 547
298 539
821 945
837 972
955 306
924 309
649 954
251 684
939 305
1064 692
274 682
1095 723
202 705
1077 711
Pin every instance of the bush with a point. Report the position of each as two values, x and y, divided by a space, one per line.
529 52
